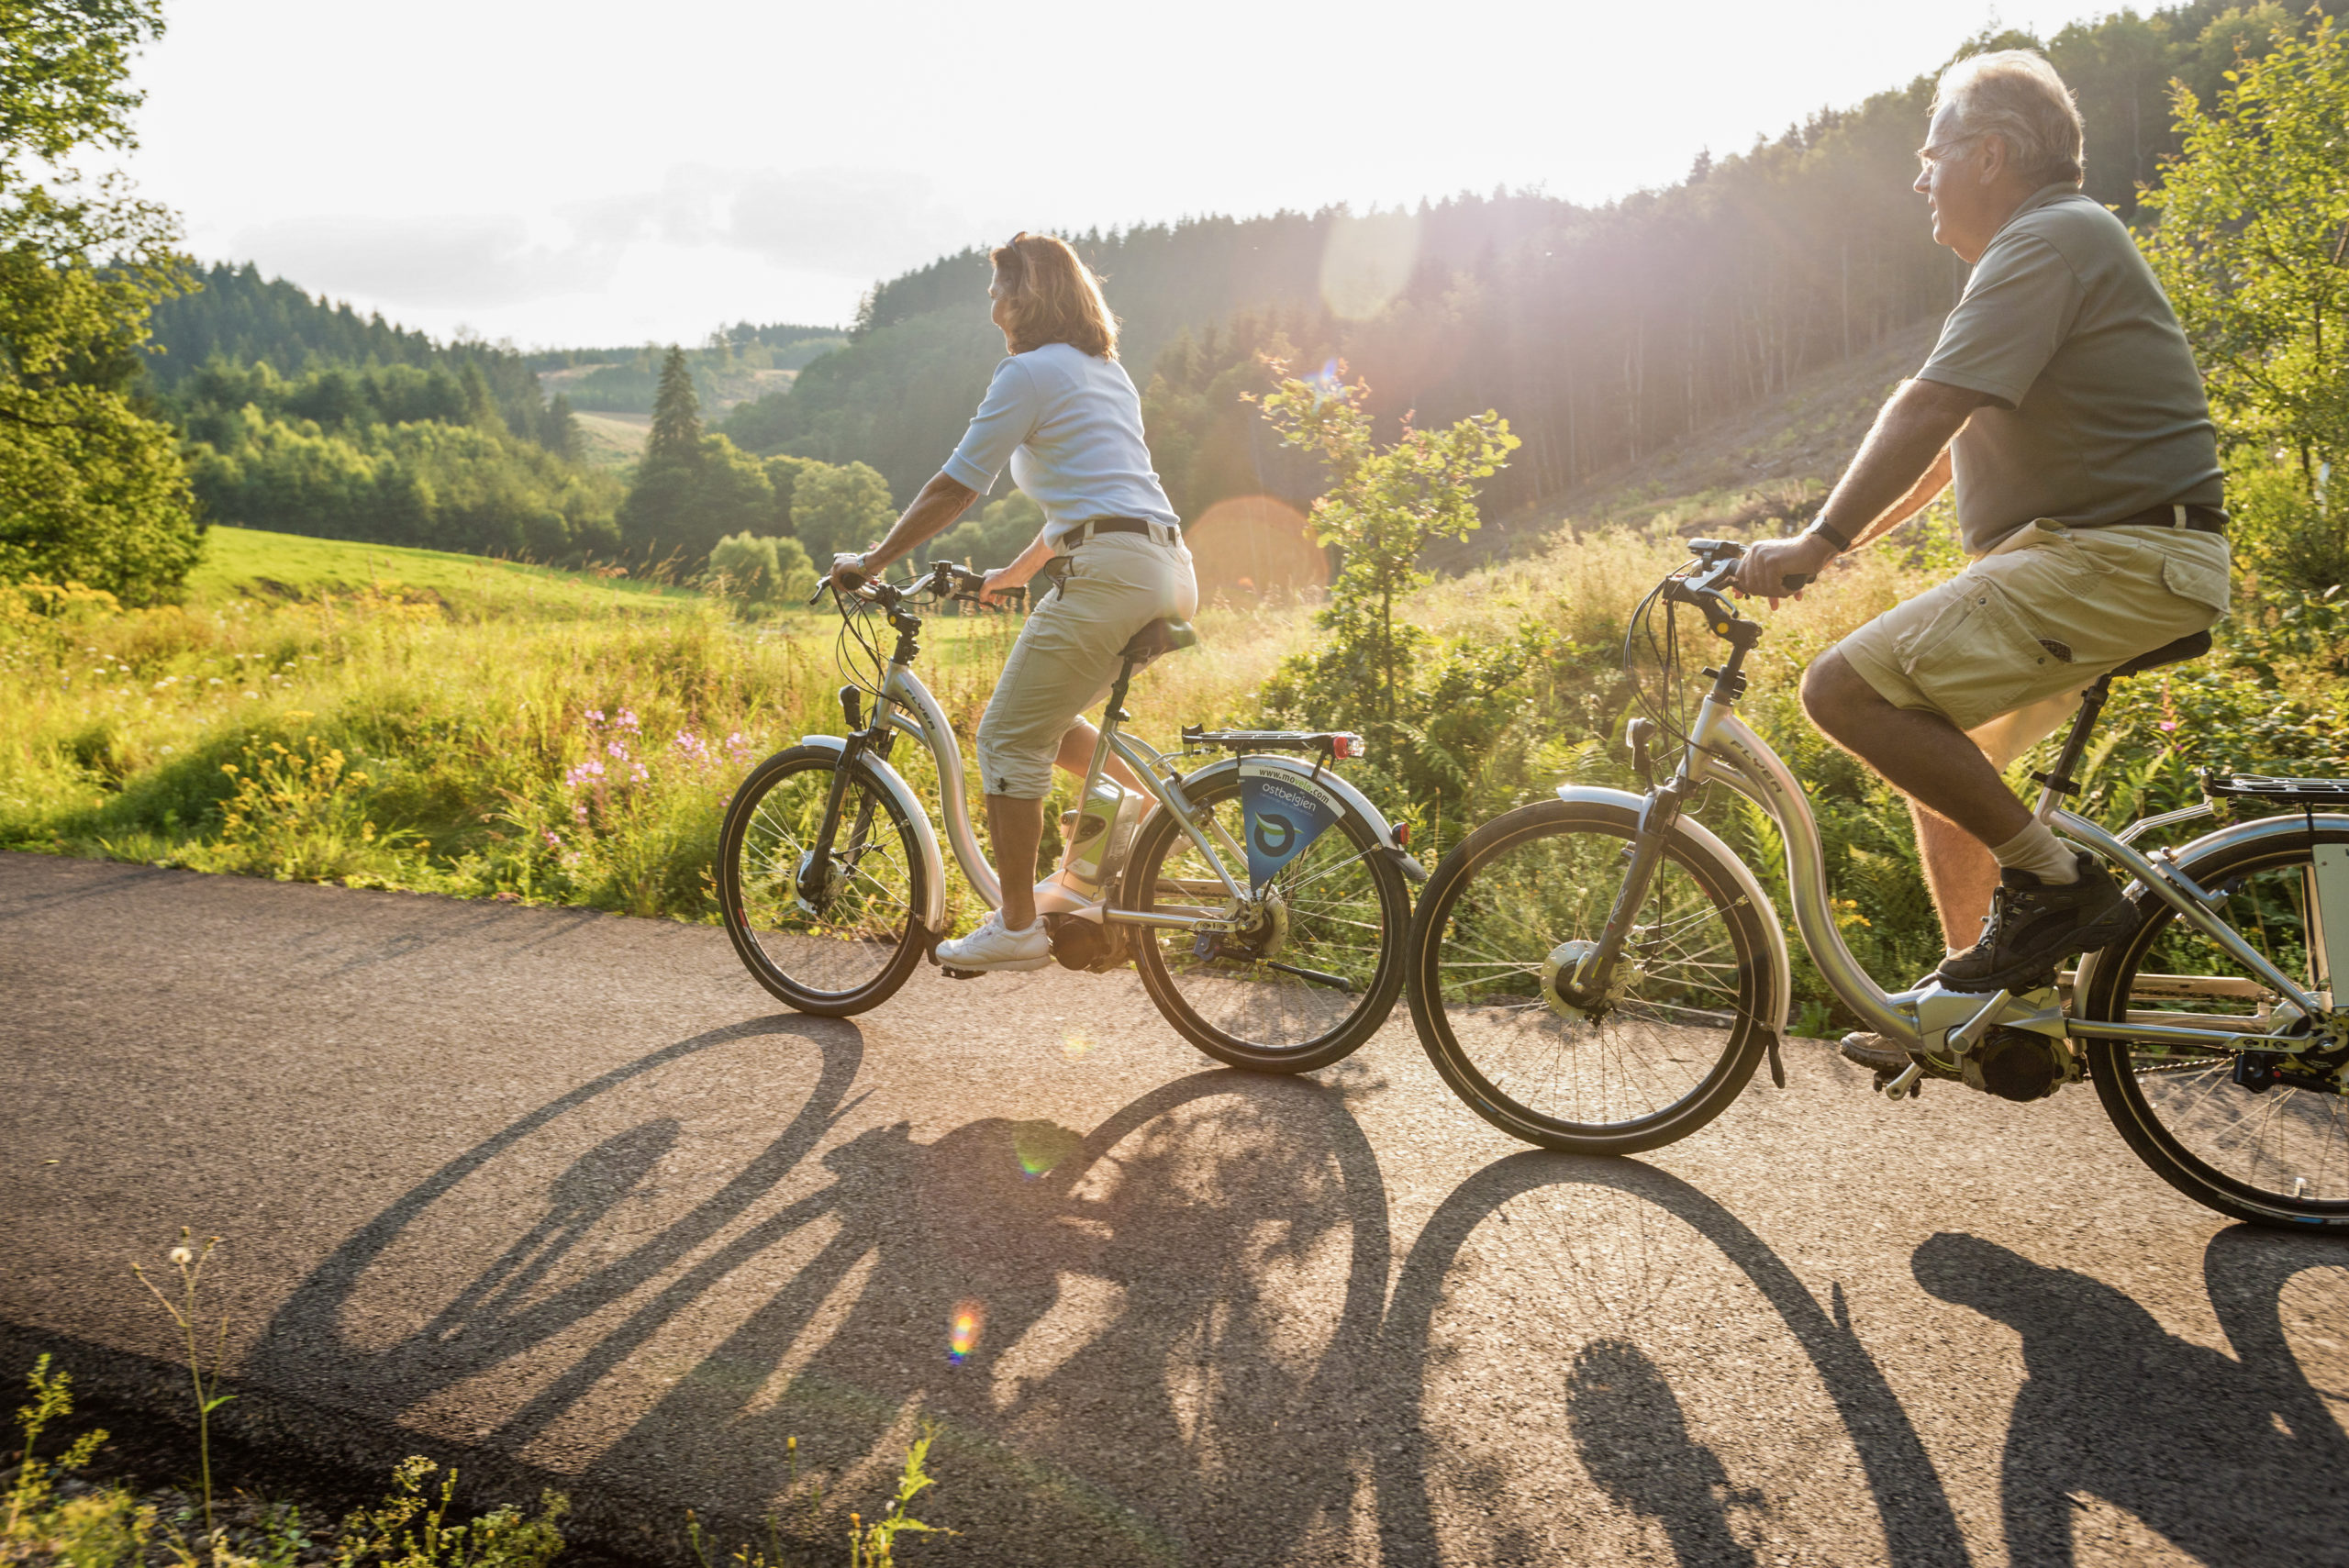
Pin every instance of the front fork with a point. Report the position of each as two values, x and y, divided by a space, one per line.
1659 813
814 881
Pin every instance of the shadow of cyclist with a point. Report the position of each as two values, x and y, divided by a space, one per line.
1634 1441
1633 1463
1141 1374
2232 1457
522 1299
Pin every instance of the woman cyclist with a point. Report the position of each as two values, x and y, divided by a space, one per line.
1065 415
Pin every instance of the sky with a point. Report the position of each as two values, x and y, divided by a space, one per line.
596 174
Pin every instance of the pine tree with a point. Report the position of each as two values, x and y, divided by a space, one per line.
676 417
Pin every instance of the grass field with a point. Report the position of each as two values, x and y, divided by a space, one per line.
322 710
249 564
319 710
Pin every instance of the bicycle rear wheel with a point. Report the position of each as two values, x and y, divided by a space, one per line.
2275 1156
852 945
1309 986
1526 894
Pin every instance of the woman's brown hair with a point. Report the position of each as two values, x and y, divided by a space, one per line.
1053 297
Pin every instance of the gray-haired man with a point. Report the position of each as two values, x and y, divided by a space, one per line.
2063 401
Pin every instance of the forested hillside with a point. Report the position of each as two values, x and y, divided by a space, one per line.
737 364
303 416
1602 334
236 318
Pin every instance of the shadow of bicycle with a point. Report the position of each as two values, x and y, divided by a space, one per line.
1131 1339
1623 1310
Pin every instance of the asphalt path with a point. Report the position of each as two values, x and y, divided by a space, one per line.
565 1198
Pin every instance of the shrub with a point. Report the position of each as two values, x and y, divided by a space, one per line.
750 571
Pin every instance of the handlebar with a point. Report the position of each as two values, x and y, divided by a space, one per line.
944 580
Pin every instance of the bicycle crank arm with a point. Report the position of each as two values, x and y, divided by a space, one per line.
1338 981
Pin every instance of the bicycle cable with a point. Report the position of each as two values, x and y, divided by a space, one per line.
1669 708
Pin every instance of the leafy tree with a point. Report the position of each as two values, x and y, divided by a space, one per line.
754 570
90 487
839 509
993 536
1383 506
2254 249
693 489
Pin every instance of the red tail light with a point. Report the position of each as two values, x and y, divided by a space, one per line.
1346 746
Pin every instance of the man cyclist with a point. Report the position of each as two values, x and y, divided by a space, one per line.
2062 399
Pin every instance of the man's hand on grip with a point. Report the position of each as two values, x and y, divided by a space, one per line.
1764 572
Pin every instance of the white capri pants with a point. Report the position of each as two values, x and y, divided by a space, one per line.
1066 658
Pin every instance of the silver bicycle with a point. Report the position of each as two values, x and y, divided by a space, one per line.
1263 899
1601 973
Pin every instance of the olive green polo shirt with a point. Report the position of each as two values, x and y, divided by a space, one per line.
2097 411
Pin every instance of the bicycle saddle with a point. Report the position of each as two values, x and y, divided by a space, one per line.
1166 636
2178 653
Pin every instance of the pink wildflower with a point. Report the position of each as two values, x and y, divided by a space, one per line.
627 719
595 716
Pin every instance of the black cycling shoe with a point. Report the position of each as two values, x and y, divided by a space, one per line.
2035 924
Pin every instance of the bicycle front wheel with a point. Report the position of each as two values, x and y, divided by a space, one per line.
840 941
1524 896
1317 976
2273 1156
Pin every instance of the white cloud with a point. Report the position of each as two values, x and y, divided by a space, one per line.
840 223
459 260
856 223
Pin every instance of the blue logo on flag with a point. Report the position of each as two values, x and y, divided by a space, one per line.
1281 817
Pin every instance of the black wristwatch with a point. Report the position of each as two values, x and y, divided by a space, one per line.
1818 527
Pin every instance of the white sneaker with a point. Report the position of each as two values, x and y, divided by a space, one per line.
991 948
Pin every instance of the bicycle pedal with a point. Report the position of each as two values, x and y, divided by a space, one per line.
960 973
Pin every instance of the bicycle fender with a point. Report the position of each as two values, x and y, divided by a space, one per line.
1328 784
933 914
1781 961
2229 837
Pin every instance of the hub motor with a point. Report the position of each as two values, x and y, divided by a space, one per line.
1558 978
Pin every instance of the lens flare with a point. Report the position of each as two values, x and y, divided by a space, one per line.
963 1330
1366 261
1041 1145
1076 1044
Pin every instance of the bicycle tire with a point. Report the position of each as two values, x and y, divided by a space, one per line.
1461 1019
875 947
2145 1089
1166 970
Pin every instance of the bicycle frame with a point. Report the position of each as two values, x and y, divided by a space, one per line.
913 711
1722 749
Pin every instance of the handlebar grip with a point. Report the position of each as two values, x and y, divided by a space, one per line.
1795 582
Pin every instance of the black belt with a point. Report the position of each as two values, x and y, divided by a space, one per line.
2201 519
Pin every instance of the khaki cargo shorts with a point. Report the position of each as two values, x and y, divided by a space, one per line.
1066 658
2004 648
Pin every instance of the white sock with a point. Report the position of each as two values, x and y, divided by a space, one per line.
2037 850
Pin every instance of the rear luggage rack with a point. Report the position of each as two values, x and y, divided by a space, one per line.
2282 792
1337 745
